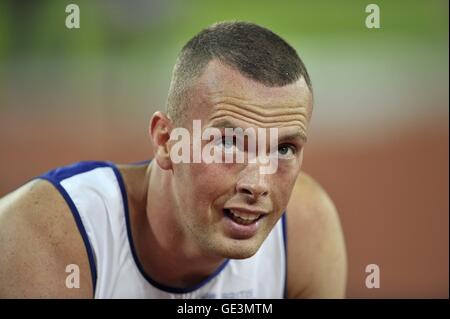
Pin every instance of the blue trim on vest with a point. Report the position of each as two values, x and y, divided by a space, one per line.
136 258
61 173
283 221
55 177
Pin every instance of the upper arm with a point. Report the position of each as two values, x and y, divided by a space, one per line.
38 239
317 261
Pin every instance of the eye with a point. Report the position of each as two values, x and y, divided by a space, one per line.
228 143
286 150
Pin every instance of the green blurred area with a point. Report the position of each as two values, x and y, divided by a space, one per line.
124 51
129 28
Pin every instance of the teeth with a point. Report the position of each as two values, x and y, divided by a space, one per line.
244 216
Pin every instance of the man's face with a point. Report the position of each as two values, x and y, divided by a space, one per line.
228 209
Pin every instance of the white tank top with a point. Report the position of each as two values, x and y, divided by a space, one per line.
96 195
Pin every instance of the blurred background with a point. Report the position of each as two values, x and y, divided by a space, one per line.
379 134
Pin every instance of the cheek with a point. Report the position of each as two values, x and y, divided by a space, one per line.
288 170
283 182
203 183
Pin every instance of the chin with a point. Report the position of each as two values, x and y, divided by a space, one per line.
238 249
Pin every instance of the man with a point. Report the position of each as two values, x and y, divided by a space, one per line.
197 229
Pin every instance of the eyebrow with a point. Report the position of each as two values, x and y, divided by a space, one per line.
293 136
225 123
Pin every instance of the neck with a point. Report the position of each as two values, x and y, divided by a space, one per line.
170 255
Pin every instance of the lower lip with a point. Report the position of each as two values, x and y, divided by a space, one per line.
239 231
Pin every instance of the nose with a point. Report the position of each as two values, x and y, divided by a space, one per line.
254 190
253 184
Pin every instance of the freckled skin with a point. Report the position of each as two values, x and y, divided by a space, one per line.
204 189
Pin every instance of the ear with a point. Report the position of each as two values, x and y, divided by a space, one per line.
159 131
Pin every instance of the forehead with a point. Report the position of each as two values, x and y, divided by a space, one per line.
220 84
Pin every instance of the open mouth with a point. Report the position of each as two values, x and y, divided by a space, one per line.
242 218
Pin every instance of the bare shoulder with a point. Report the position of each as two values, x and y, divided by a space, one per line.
38 239
317 261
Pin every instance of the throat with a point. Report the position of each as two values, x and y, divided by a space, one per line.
172 266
